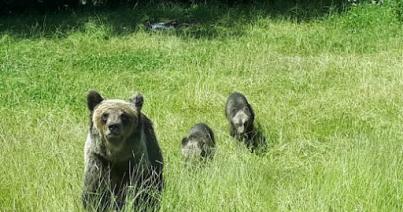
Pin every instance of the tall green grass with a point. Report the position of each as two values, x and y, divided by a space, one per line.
326 92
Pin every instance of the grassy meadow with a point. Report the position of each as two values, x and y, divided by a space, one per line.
327 92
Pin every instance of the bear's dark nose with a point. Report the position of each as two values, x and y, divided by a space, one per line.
114 128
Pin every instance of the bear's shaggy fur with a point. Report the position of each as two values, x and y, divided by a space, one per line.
199 143
121 152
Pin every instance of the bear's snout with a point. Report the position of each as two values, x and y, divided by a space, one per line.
241 128
114 129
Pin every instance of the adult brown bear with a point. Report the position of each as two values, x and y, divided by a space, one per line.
121 155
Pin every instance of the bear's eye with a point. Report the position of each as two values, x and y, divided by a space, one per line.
104 117
125 118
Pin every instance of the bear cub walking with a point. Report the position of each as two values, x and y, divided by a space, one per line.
240 116
199 143
121 152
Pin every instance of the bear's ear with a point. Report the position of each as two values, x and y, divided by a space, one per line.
93 99
184 141
138 101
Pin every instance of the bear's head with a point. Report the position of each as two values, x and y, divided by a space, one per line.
192 146
243 120
199 143
115 120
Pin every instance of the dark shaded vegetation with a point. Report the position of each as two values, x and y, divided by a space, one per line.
302 7
30 3
18 5
200 19
196 19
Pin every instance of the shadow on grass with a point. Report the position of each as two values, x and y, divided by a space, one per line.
260 142
196 20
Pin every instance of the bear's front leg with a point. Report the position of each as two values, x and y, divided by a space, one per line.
96 194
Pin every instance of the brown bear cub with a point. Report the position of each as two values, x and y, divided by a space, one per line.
199 143
121 155
240 116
